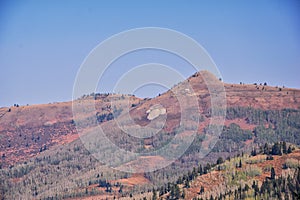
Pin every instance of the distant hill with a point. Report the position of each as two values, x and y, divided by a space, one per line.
39 141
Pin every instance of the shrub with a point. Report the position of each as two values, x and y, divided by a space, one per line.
291 163
253 171
256 159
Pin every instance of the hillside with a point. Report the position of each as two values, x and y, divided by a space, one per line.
43 157
24 130
259 176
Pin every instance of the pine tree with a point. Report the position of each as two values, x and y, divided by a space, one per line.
201 190
200 170
276 150
240 164
187 184
284 148
154 194
273 173
253 152
220 160
289 149
266 149
161 191
253 185
176 192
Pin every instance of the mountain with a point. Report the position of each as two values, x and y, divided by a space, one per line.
44 158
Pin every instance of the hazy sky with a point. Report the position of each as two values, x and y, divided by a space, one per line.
43 43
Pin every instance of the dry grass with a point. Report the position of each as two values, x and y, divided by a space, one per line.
135 179
253 171
292 163
256 159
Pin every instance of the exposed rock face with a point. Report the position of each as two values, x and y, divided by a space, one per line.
155 111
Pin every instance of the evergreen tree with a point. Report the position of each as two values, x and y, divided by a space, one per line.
176 192
253 152
161 191
179 180
187 184
289 149
220 160
273 173
154 194
266 149
284 148
253 184
276 150
200 170
201 190
121 189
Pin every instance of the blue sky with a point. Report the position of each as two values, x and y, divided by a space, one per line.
43 43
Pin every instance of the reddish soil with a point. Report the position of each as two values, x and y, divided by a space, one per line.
212 180
135 179
25 129
277 163
241 122
139 165
208 181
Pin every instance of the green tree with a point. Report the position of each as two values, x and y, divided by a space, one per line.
240 164
154 194
273 173
200 170
253 152
284 148
220 160
121 189
201 190
161 191
289 149
266 149
175 192
276 150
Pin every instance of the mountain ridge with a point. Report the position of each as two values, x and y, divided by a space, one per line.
58 116
41 141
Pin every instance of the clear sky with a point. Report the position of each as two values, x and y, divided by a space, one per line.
43 43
